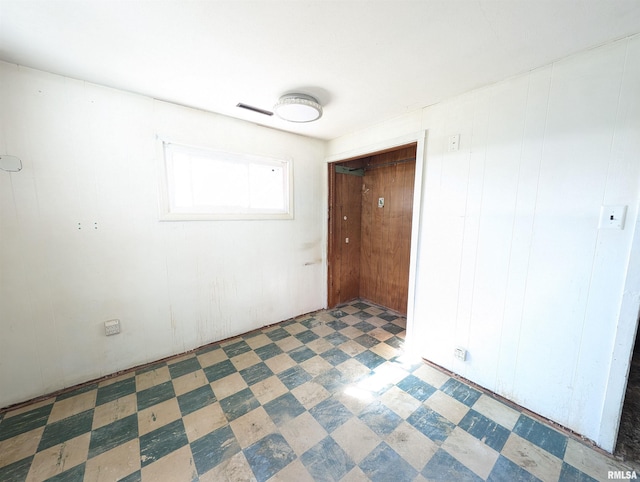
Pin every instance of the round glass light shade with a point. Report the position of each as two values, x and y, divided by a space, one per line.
298 108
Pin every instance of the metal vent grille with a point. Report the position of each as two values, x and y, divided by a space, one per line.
254 109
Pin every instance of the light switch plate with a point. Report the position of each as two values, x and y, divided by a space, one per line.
612 217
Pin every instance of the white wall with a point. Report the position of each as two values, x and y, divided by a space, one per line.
90 156
511 264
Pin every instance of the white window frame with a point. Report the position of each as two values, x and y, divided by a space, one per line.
171 211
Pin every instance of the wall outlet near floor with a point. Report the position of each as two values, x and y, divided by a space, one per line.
460 353
112 327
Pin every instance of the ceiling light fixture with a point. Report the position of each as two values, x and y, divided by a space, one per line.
298 108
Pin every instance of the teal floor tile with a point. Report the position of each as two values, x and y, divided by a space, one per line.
370 359
196 399
431 424
444 468
219 370
415 387
237 349
379 418
116 390
461 392
66 429
183 367
306 336
256 373
327 460
77 391
278 334
151 367
239 404
17 470
571 474
214 448
337 325
154 395
75 474
539 434
506 471
331 414
25 422
335 356
364 327
162 441
133 477
482 428
383 464
268 351
302 353
268 456
114 434
332 380
366 341
284 408
293 377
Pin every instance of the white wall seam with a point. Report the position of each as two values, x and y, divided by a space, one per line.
513 224
533 220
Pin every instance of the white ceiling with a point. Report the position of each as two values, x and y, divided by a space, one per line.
365 61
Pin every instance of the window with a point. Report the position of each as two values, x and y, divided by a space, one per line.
204 184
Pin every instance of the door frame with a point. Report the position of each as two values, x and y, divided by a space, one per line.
420 138
622 350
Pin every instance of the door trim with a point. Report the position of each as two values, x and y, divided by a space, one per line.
625 338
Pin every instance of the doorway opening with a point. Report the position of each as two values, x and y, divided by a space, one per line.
628 444
370 217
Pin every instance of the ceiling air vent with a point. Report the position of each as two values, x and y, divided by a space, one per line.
254 109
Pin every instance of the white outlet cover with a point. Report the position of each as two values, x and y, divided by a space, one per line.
460 353
112 327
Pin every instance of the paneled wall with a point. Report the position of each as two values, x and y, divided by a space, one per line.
510 262
369 255
81 241
344 274
386 231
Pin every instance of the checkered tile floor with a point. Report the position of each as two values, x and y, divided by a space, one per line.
327 396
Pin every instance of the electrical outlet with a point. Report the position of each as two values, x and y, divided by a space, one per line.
460 353
112 327
454 143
